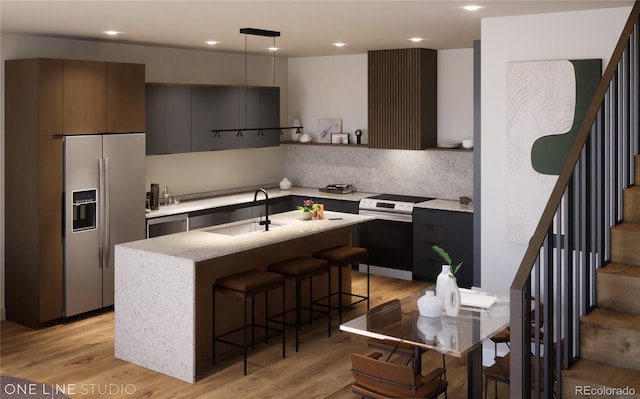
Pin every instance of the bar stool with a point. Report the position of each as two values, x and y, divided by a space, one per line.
345 256
247 285
299 269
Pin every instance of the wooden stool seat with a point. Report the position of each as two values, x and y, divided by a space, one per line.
297 270
342 254
249 281
247 285
345 256
300 266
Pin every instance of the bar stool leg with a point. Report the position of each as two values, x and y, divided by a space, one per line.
213 325
245 332
340 293
329 300
283 325
297 323
310 300
368 285
266 317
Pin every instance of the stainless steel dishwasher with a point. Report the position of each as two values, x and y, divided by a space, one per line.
164 225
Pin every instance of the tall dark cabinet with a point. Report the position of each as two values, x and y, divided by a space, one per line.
47 98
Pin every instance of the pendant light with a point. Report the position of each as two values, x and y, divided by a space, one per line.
260 130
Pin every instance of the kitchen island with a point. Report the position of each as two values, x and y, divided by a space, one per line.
163 285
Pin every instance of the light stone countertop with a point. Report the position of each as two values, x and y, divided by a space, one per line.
203 244
247 197
445 205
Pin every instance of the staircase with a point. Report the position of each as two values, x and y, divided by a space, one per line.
610 333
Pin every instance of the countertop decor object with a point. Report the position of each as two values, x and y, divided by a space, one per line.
285 184
429 305
447 285
467 143
305 138
307 208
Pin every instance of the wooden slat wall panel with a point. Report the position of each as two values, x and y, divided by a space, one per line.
402 98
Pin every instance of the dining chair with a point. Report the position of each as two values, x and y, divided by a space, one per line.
378 379
384 316
500 371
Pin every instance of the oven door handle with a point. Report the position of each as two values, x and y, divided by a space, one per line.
396 217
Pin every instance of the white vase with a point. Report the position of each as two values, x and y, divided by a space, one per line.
428 328
429 305
441 280
452 297
285 184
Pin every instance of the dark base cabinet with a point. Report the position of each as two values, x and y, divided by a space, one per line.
453 231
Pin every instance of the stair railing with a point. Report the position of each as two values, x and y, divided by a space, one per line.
572 239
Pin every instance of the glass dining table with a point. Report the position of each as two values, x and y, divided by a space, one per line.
398 321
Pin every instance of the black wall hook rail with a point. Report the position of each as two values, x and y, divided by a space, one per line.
260 130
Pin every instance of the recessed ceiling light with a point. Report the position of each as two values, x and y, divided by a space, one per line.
339 44
112 32
416 39
273 49
471 8
211 42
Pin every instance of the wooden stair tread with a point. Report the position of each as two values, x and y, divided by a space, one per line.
612 319
621 269
627 227
595 373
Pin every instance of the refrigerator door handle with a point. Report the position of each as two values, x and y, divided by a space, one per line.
101 212
106 244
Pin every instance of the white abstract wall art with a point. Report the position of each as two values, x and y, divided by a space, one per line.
546 102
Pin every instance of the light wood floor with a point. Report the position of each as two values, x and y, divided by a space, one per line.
81 352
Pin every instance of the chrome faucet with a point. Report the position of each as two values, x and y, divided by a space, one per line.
266 220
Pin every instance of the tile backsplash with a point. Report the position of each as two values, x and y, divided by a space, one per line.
440 174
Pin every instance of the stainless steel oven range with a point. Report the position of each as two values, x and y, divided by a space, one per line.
389 238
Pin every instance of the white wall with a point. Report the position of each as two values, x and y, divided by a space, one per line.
183 173
455 94
336 87
568 35
329 87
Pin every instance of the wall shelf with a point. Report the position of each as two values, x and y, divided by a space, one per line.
367 146
326 144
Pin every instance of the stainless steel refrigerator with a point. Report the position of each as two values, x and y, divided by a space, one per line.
104 193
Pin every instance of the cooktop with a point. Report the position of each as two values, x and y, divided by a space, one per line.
401 198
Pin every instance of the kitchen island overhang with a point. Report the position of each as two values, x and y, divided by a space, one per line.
163 285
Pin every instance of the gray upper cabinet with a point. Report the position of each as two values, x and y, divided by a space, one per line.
180 118
168 115
204 105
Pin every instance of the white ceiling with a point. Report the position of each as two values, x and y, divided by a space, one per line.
308 27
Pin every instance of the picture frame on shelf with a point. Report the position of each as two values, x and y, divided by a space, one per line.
339 138
327 126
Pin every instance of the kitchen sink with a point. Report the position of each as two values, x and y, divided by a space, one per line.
240 229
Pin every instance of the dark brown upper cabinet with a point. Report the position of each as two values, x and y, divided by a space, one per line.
402 86
102 97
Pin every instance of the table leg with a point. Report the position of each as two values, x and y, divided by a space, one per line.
474 373
417 360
